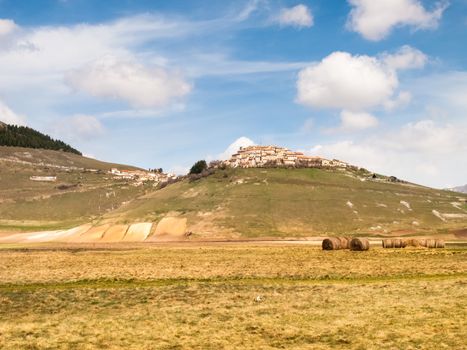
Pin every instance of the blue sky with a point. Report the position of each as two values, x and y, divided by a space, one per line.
381 84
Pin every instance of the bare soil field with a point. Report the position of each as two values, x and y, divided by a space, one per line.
230 296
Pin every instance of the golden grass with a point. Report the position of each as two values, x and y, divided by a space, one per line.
205 297
74 262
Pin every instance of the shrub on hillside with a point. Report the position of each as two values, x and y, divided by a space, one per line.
198 167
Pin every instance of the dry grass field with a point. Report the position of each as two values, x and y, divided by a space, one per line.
230 296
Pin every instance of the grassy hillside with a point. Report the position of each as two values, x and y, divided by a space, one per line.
232 203
297 202
82 192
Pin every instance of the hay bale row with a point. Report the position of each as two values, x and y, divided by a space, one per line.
394 243
359 244
434 243
413 242
336 243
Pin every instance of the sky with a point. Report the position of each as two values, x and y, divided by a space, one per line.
155 83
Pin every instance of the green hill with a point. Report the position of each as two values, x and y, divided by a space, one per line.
83 189
22 136
243 203
231 203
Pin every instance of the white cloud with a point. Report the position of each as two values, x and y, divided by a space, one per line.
85 126
428 137
343 81
297 16
9 117
7 26
402 99
249 9
354 121
374 19
358 84
36 59
235 146
219 64
424 152
405 58
78 127
138 85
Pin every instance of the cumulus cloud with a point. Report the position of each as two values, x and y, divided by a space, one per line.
402 99
357 84
424 152
140 86
38 57
297 16
9 117
374 20
235 146
348 82
354 121
406 57
7 26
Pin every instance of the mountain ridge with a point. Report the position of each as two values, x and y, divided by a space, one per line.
460 189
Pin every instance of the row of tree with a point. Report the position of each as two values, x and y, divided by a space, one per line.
22 136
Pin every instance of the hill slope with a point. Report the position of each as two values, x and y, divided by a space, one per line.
232 203
22 136
82 191
242 203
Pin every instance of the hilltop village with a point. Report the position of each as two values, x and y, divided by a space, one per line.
273 156
246 157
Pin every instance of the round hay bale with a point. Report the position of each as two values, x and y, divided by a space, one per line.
331 243
440 243
399 243
413 242
422 242
359 244
344 242
388 243
431 243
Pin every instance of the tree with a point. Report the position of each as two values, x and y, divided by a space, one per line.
21 136
198 167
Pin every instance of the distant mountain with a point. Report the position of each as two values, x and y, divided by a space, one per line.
22 136
461 189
